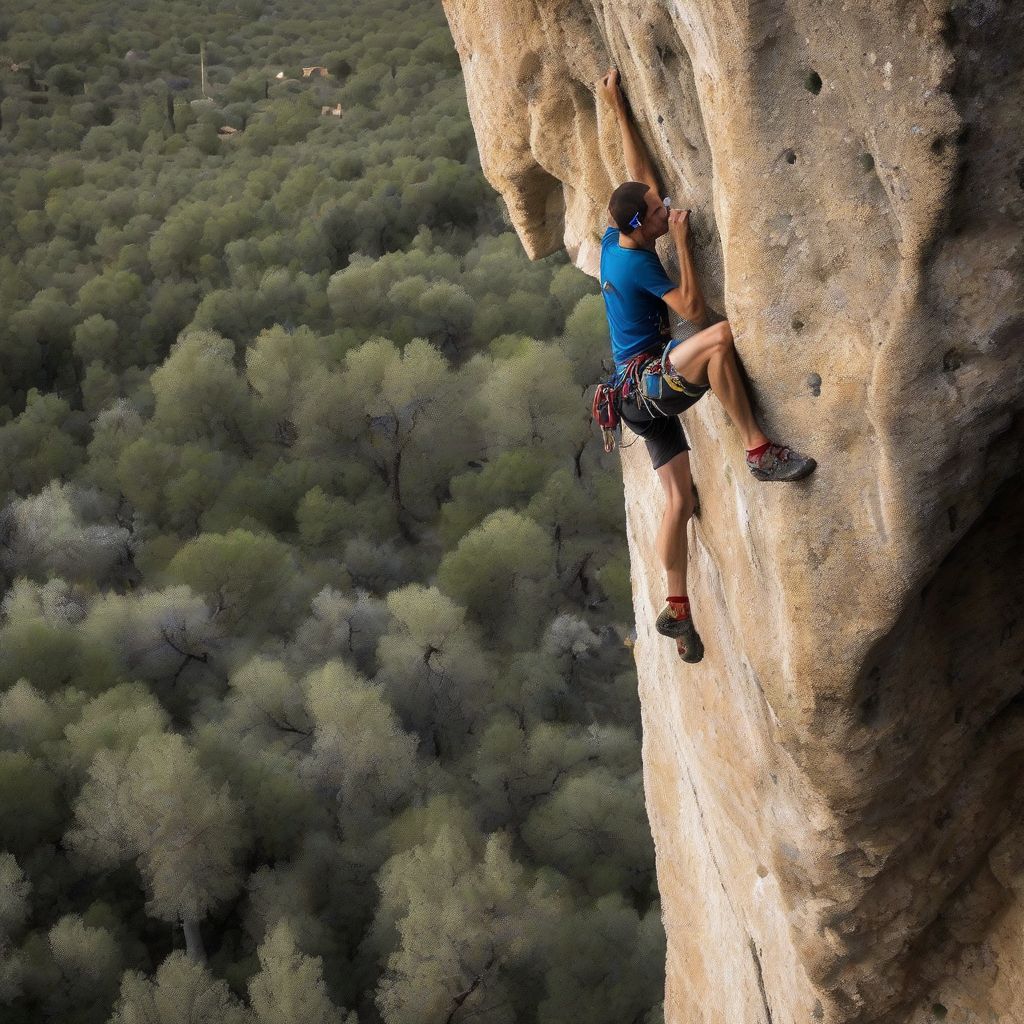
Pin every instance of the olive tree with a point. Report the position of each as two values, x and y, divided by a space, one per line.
182 992
156 806
289 989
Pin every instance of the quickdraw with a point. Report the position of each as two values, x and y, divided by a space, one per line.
605 410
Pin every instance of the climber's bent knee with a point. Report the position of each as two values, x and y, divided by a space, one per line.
690 358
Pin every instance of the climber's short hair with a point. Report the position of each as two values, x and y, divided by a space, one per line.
628 206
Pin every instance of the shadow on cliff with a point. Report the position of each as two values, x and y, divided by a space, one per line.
940 734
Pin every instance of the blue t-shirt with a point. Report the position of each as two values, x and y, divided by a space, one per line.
633 282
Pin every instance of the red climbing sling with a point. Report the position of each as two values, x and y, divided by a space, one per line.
605 407
605 411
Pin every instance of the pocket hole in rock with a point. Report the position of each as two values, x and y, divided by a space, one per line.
939 1010
814 383
797 325
812 82
867 161
790 156
869 708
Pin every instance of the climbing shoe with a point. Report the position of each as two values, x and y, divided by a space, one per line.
777 462
683 631
690 648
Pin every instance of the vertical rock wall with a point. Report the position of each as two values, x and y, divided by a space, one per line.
835 792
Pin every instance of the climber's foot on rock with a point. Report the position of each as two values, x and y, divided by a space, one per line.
689 646
777 462
683 631
670 622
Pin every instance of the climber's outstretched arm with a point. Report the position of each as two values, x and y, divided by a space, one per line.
638 161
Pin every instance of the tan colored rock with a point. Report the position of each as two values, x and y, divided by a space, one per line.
834 791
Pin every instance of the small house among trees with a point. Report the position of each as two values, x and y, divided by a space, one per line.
329 111
316 72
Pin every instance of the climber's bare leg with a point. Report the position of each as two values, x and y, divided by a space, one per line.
709 357
679 502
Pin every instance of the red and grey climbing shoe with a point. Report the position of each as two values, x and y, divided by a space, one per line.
690 650
684 632
778 462
689 645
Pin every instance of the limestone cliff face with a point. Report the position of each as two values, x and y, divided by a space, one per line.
835 792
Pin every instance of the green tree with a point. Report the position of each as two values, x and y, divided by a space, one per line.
156 806
175 247
266 698
585 340
301 891
502 571
42 443
434 668
516 765
31 805
509 481
96 339
115 720
200 396
539 402
245 577
38 637
281 804
393 406
114 292
607 965
278 366
15 890
360 750
290 987
593 828
78 977
470 932
343 625
45 536
153 635
182 992
27 721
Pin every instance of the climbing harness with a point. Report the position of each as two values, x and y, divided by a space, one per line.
610 394
648 379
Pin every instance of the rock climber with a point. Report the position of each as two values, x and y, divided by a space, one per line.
677 373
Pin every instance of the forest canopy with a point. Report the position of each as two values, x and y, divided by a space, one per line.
314 700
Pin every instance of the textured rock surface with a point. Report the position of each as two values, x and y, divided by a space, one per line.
835 792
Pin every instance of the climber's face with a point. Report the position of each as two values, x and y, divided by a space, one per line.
655 222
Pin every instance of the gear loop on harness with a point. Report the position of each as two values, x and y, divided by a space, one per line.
609 395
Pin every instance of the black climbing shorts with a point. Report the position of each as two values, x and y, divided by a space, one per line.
657 422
